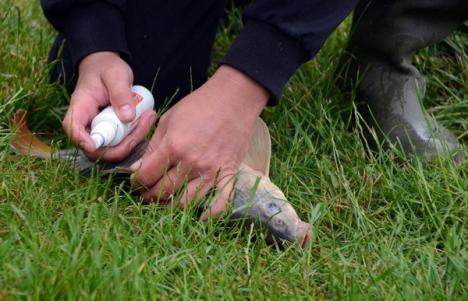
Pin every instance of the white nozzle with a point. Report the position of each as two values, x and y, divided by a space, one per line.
103 134
98 139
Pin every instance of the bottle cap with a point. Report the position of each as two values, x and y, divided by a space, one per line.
103 134
98 139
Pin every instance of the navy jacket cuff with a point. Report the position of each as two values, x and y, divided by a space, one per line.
95 27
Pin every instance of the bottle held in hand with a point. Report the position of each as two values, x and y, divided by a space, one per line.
106 127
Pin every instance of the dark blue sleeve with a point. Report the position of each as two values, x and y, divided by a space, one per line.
281 35
89 26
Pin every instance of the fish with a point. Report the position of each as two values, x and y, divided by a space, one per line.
256 200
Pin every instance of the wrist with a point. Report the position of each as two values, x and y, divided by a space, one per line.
96 58
245 91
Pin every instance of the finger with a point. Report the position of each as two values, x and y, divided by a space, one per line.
123 149
152 168
118 82
169 184
152 146
136 165
80 113
155 141
195 191
224 195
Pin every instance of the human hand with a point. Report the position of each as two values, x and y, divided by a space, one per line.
104 78
203 139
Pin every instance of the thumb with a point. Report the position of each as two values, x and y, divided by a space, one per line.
118 86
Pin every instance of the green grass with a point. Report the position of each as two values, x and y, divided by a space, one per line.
382 229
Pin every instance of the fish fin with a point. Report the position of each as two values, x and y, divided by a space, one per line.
259 153
24 141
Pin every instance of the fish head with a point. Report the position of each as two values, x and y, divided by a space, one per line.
267 206
282 221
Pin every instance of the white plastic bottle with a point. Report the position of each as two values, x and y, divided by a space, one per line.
106 127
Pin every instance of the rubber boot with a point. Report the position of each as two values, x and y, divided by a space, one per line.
378 60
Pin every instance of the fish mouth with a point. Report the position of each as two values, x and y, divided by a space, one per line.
305 240
304 233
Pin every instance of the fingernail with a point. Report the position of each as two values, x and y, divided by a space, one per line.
204 217
132 179
134 183
135 166
127 112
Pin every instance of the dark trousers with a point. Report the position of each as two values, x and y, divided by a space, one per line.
170 46
378 63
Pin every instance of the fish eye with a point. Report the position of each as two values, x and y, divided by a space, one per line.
270 210
272 206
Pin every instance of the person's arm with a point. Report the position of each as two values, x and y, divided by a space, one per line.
204 137
279 36
89 26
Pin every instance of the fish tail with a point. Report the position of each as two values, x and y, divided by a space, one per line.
24 141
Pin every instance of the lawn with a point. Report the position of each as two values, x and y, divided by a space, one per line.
385 226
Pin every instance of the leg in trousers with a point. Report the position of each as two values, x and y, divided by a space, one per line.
384 36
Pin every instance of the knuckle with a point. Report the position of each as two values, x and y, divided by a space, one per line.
176 148
151 148
205 166
78 95
114 155
209 175
66 125
227 170
168 187
192 160
68 129
119 96
230 167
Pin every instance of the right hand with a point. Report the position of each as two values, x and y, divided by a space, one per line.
104 78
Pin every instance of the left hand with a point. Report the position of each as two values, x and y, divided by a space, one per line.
202 139
104 79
